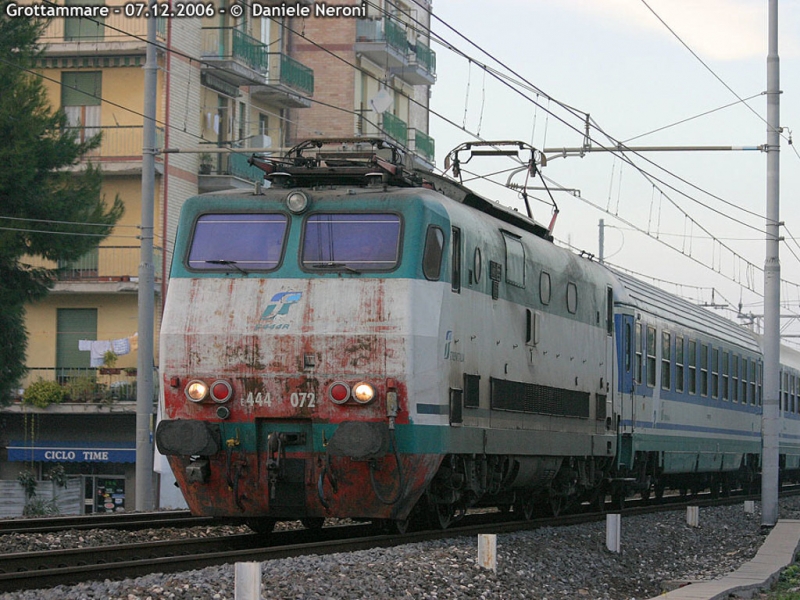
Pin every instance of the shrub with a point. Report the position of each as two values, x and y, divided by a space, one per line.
83 388
43 393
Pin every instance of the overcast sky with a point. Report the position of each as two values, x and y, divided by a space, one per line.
615 60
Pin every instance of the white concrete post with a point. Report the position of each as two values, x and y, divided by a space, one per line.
613 532
750 507
693 516
487 551
248 581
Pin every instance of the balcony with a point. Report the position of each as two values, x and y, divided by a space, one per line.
384 42
103 269
116 35
228 170
421 68
233 56
288 82
120 150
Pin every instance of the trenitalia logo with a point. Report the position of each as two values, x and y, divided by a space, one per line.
279 306
451 354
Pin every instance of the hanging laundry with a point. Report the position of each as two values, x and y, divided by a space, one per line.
98 349
121 346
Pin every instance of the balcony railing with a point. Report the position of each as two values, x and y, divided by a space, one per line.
103 264
91 385
424 145
228 43
426 58
388 30
296 75
238 167
123 142
395 128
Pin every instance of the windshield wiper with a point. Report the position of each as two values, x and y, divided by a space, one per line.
335 265
231 263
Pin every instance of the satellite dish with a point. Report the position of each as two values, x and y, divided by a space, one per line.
381 102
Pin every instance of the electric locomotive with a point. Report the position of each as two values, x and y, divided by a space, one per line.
364 340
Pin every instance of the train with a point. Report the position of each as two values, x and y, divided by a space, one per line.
363 339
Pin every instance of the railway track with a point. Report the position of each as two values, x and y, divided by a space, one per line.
32 570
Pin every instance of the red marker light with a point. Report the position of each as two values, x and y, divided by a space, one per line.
339 392
221 391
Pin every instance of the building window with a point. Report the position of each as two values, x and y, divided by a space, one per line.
666 367
81 93
651 356
78 28
692 366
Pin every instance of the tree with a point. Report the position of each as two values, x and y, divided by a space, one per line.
46 202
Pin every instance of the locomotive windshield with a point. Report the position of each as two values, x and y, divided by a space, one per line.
243 242
351 241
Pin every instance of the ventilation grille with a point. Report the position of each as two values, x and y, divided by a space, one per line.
540 399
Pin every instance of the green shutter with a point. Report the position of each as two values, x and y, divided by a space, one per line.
81 89
73 324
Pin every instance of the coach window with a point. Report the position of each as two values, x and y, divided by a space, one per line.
754 375
725 379
572 297
692 366
651 356
544 287
679 363
666 368
745 385
237 242
456 270
351 242
432 256
735 378
637 374
715 372
785 391
703 369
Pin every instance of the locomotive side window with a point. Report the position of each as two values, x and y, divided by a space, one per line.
515 261
351 241
237 242
544 287
572 297
651 356
456 274
432 256
692 366
477 264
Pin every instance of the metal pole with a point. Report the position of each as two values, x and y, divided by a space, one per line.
772 289
601 241
145 499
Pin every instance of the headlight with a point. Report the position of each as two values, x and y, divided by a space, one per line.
363 392
296 202
196 390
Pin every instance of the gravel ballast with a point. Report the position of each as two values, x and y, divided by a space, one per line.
552 563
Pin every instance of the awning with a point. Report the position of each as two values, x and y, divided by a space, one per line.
44 451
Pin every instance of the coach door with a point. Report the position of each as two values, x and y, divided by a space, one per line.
626 365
